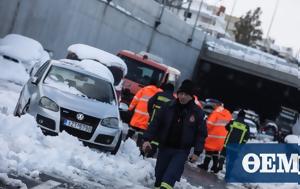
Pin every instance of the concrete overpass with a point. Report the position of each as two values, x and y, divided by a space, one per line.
248 60
243 77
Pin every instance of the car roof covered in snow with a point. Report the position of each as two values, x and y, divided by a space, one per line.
88 52
87 66
21 47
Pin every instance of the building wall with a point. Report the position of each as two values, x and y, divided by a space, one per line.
121 25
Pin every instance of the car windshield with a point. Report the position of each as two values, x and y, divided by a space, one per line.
80 84
142 73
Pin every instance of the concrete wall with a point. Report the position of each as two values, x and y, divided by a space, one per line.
60 23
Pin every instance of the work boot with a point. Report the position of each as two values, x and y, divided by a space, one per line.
214 167
205 163
221 163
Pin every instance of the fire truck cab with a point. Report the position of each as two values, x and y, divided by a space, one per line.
144 68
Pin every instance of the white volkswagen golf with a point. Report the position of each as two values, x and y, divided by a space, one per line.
77 97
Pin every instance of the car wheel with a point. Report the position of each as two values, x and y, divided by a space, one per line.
115 150
26 108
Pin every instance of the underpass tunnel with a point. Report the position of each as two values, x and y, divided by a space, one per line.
242 90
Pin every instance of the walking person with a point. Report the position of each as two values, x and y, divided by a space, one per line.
178 126
214 142
139 106
238 133
154 104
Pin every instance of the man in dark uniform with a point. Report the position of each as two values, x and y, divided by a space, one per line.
154 104
238 133
178 126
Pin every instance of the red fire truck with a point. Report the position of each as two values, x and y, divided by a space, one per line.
142 69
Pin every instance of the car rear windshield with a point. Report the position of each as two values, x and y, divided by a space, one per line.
142 73
80 84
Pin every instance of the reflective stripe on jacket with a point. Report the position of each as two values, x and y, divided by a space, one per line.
157 101
216 130
238 132
139 103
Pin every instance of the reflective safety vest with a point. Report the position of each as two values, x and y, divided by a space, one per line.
139 103
216 130
238 133
156 102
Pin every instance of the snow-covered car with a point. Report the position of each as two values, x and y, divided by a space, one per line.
76 97
23 50
8 69
252 127
115 64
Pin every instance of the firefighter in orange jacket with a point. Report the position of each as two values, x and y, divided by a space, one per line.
217 132
139 104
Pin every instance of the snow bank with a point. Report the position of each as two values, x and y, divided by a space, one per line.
25 150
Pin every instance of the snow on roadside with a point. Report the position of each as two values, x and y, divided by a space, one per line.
26 151
11 182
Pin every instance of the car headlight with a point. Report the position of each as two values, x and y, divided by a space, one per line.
111 122
48 104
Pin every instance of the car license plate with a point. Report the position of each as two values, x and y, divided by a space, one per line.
78 126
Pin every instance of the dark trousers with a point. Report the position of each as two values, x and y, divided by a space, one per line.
210 155
170 165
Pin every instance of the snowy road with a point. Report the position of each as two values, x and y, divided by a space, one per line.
26 155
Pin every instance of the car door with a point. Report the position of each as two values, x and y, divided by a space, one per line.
32 85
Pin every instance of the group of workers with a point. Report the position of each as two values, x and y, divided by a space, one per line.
176 123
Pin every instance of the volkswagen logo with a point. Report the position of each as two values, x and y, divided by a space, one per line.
80 116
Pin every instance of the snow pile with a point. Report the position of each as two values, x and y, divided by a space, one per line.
25 150
11 182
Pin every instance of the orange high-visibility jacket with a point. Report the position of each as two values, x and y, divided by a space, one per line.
216 131
139 103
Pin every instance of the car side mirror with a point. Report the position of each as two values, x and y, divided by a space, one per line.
123 107
34 80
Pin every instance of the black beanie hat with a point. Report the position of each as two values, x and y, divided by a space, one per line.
241 113
187 86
